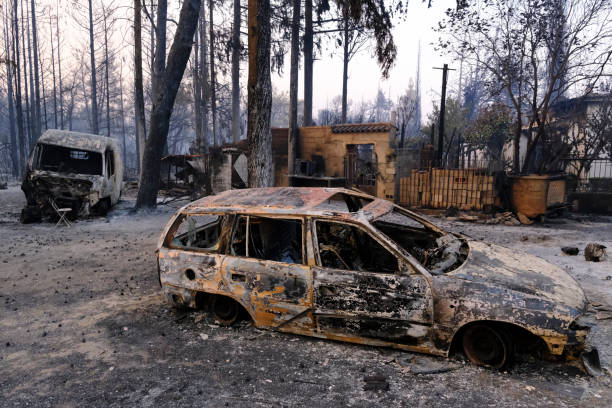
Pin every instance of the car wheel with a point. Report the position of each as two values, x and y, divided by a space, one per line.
486 346
226 310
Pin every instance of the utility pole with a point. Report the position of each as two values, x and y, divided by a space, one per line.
445 70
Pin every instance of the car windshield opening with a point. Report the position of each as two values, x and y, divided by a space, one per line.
439 253
68 160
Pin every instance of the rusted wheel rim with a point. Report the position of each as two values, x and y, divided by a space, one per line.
485 346
225 309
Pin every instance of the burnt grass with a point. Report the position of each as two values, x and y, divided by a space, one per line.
83 323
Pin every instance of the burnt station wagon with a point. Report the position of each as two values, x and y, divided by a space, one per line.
341 265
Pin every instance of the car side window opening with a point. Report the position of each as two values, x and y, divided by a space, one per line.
199 232
269 239
344 246
110 163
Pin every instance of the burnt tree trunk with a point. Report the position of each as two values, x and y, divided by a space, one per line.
164 102
160 52
25 83
292 147
44 98
31 101
213 76
122 116
159 65
204 88
59 71
308 46
516 166
18 106
106 80
53 73
259 96
236 73
11 107
94 95
138 87
36 102
345 62
197 93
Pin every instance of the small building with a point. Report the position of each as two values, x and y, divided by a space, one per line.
362 156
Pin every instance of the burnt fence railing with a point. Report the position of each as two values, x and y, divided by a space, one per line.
588 175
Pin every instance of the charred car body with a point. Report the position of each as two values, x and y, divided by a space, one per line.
341 265
76 170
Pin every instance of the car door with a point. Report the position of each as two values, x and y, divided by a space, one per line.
266 265
193 251
362 289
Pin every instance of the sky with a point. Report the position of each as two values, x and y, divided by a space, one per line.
364 74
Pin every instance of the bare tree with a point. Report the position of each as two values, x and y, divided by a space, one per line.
308 62
164 103
18 105
9 85
94 96
259 134
59 67
293 88
55 122
236 48
213 76
138 87
533 51
37 119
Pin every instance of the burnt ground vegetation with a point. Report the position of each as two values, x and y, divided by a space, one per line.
83 323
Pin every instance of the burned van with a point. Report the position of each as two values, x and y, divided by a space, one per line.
80 171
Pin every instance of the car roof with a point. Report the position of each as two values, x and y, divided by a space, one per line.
77 140
291 200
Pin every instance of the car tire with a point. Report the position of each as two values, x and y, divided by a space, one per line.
30 214
103 207
225 309
487 346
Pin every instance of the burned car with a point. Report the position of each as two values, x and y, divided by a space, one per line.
75 170
341 265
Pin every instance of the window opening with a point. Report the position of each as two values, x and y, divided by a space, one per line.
344 246
199 232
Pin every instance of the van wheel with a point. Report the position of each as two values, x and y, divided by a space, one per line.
486 346
226 310
102 207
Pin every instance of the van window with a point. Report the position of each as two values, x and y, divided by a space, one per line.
110 163
68 160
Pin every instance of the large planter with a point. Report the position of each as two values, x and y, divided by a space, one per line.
535 195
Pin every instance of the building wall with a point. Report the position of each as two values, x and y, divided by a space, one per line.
320 140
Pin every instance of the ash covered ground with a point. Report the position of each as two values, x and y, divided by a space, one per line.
83 323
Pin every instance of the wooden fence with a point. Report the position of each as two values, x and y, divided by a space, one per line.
469 189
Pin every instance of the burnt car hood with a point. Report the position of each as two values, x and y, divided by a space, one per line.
58 182
520 272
